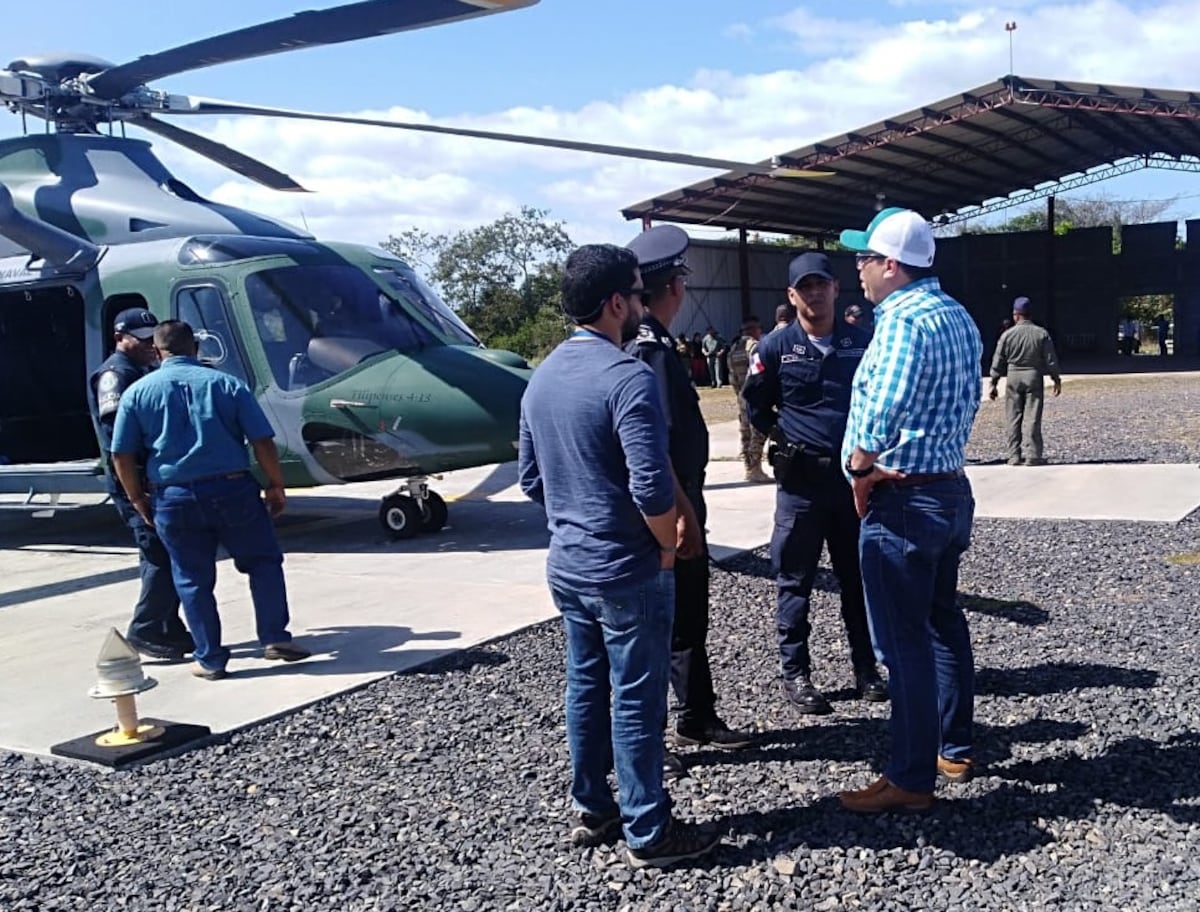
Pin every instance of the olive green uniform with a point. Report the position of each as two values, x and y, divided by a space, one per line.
740 352
1025 353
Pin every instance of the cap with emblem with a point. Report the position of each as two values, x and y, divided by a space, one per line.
137 322
661 250
811 263
899 234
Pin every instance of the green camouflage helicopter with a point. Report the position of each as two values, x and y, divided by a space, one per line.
362 369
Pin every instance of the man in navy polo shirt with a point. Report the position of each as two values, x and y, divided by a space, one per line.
593 452
192 423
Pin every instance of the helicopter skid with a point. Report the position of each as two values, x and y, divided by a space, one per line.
412 509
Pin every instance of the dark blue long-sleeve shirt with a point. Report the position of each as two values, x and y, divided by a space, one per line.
593 452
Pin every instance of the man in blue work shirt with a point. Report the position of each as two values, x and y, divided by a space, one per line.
191 423
593 452
155 629
798 391
914 400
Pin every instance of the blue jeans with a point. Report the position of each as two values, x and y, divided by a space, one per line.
156 614
192 520
619 650
911 542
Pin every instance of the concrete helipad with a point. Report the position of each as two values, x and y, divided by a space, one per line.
370 607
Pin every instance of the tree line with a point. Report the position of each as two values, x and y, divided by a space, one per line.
502 278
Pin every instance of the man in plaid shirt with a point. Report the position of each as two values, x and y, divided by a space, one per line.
915 396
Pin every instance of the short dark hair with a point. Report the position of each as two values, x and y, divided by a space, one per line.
657 283
916 273
592 274
175 337
785 312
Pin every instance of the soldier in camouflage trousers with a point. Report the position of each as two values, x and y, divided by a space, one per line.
740 353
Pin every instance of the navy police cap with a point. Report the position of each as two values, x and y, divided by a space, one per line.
135 321
661 248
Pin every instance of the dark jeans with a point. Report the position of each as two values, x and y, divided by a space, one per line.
811 511
912 540
192 520
156 614
691 677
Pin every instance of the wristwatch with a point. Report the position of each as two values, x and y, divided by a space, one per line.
858 473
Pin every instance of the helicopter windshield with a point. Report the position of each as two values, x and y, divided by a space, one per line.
414 290
316 321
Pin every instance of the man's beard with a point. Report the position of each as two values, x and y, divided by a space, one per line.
629 329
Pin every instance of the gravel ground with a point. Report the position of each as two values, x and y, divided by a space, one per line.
445 788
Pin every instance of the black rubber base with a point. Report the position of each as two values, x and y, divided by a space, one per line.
175 735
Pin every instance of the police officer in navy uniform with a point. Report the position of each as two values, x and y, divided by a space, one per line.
662 260
798 390
156 629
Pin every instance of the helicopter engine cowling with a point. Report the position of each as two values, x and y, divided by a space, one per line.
42 239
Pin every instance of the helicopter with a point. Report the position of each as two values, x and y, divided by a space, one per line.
363 370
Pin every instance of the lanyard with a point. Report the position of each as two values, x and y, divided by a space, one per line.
585 334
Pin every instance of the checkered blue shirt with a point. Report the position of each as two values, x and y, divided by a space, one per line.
919 385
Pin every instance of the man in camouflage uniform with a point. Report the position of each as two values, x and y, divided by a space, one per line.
753 441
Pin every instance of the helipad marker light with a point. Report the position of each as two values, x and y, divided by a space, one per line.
120 678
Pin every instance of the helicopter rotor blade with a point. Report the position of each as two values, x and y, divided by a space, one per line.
348 22
237 161
215 107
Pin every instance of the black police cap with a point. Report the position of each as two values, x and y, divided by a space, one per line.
662 248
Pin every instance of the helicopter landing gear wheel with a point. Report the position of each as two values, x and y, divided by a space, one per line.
400 516
434 512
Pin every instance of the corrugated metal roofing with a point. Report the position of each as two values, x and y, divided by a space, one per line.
1011 135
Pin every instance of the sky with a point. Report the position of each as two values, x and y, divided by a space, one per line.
740 81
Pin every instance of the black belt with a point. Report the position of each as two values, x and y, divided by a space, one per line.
231 476
920 479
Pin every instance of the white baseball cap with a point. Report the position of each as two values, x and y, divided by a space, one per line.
899 234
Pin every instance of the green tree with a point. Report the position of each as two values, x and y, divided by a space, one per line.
502 278
1082 212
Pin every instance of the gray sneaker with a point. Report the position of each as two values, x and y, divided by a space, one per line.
589 831
680 842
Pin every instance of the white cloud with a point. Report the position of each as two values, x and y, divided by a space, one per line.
372 182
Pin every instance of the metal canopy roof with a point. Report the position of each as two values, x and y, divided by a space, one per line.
1005 143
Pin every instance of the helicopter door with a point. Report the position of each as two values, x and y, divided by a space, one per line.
203 308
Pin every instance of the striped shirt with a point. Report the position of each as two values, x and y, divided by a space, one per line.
919 385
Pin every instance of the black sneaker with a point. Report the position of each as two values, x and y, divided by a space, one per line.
286 652
167 652
870 687
806 698
589 831
673 766
715 733
182 641
680 842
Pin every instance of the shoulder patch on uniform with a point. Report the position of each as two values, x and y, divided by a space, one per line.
756 365
666 340
109 380
646 334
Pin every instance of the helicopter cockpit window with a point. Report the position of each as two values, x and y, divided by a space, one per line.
316 321
414 290
203 308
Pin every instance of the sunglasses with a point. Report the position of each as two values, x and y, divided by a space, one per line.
861 258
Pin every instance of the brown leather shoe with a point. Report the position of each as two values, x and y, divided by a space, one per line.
956 770
882 796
